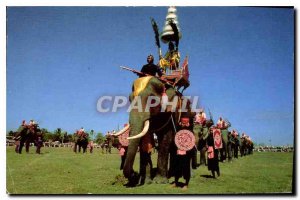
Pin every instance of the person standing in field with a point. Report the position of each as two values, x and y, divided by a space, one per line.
91 144
182 163
212 155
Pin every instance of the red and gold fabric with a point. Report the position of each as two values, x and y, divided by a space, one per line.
217 138
184 140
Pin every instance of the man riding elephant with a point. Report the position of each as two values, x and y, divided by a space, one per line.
28 134
80 140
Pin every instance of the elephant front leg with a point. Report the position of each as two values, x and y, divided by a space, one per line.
229 147
166 147
20 147
129 173
75 148
242 151
17 147
27 146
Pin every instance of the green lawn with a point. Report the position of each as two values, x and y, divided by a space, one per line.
61 171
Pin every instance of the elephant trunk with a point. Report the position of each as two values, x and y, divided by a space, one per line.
139 125
144 131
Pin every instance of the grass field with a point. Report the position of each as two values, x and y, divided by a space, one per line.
61 171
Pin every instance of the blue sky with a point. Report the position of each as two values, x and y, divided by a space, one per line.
60 60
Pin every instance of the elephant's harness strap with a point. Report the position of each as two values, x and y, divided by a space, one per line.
173 124
163 126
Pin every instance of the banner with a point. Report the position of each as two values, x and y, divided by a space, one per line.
123 138
185 140
217 139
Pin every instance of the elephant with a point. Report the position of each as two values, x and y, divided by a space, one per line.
81 140
108 143
226 150
27 134
163 124
201 132
232 145
103 146
236 145
246 147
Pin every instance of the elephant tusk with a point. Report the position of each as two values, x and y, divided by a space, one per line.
144 131
122 131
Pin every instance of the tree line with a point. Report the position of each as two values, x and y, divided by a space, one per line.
65 137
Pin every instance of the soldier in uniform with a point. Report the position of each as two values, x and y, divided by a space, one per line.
221 123
212 155
182 159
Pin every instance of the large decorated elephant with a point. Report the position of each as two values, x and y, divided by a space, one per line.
163 124
27 134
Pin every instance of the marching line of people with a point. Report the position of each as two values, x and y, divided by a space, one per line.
218 142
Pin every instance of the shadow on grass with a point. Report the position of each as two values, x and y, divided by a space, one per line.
207 176
179 184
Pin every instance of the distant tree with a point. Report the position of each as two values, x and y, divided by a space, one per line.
57 135
63 135
261 144
10 133
100 138
47 135
69 138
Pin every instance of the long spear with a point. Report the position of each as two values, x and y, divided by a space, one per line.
144 74
156 32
